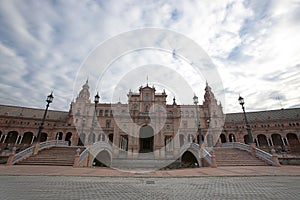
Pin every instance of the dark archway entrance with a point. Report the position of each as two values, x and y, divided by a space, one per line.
68 138
223 138
188 160
146 139
102 159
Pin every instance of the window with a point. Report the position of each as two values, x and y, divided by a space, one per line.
107 125
101 113
186 113
124 142
168 143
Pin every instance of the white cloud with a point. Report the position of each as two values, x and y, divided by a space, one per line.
43 43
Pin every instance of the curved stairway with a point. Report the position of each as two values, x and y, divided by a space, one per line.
235 157
55 156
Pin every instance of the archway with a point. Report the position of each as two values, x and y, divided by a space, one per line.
111 138
81 139
276 138
68 137
188 160
44 137
223 138
262 140
59 136
101 137
146 139
11 137
246 139
232 137
27 138
293 142
102 159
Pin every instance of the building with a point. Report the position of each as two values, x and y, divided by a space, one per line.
148 126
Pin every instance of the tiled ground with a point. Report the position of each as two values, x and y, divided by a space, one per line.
75 187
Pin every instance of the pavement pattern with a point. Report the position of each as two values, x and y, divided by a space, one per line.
78 187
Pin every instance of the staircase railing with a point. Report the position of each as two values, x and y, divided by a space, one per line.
207 156
23 154
265 156
83 156
53 143
43 145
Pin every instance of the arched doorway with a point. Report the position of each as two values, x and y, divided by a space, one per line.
188 160
102 159
44 137
146 139
246 139
101 137
81 139
262 140
223 138
27 138
231 137
68 138
276 138
293 142
11 137
59 136
111 138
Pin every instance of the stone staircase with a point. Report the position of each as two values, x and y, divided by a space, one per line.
236 157
55 156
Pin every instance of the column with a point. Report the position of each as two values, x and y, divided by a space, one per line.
32 139
4 138
257 143
1 137
21 139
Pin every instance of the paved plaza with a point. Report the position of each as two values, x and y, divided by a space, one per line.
58 182
74 187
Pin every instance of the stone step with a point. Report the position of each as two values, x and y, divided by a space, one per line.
236 157
59 156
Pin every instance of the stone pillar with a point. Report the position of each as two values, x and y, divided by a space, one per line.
213 160
275 158
11 157
36 148
252 149
21 139
76 160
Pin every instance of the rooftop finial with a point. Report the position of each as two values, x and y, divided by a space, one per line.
147 79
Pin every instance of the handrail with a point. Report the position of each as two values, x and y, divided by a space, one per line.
43 145
265 156
23 154
93 149
207 156
52 143
83 156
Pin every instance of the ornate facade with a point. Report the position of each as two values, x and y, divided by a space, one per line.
148 125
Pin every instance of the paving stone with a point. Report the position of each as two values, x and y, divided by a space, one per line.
66 187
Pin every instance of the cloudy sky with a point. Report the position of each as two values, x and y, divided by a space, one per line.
253 45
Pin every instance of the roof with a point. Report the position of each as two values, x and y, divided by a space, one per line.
17 111
268 115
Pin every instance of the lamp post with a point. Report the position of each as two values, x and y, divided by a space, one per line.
96 100
195 98
241 101
38 137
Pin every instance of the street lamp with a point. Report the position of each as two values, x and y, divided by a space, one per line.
241 101
38 137
195 98
96 100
